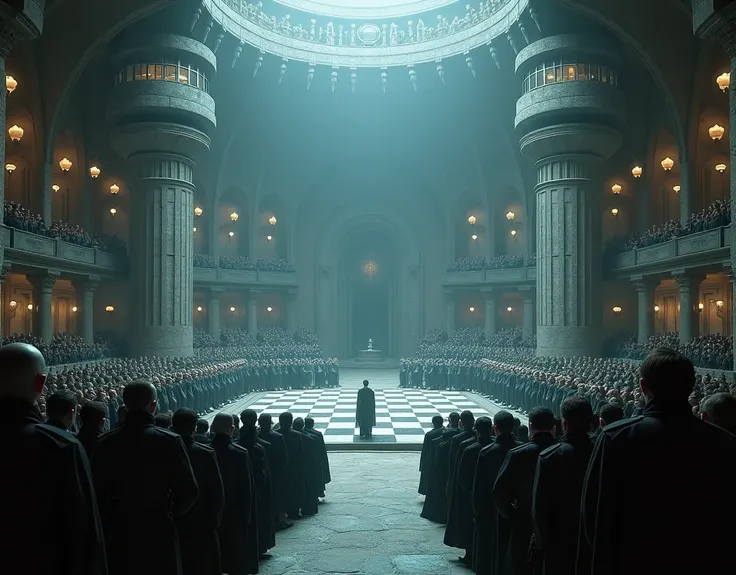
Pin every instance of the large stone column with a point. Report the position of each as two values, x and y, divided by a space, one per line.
43 321
213 314
527 330
490 328
569 128
162 154
86 295
689 286
450 312
253 312
645 311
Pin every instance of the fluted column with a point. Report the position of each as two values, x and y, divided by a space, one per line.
490 328
3 274
86 294
253 312
527 329
689 286
450 312
213 314
645 312
162 208
43 286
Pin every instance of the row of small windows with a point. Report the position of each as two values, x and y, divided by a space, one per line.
169 72
553 72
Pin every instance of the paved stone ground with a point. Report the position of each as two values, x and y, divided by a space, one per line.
369 525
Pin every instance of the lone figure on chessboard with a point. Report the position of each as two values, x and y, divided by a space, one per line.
365 411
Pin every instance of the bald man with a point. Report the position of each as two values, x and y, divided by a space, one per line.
145 483
46 494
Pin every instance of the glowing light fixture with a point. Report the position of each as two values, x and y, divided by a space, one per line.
614 211
16 133
676 189
94 171
667 164
269 309
510 216
75 309
616 188
231 234
10 84
719 303
114 189
472 220
232 308
716 132
13 304
637 171
513 232
272 220
617 309
55 188
198 211
65 164
113 211
724 81
109 309
509 309
471 309
269 238
199 308
474 237
30 307
656 309
10 168
701 306
194 229
234 216
720 168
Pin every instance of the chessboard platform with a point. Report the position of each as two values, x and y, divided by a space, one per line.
403 416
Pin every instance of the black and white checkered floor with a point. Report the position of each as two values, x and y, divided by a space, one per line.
402 415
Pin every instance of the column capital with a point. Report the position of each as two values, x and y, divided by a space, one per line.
216 292
643 283
89 283
687 279
730 273
4 271
16 26
44 281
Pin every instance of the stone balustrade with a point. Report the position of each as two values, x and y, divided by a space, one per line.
501 276
228 277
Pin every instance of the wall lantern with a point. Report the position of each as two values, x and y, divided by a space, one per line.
510 216
509 309
109 309
617 309
194 229
13 304
656 309
269 309
16 133
719 303
94 171
232 308
720 168
114 189
513 232
269 238
616 188
10 84
10 168
676 189
234 216
199 308
231 234
30 307
197 211
667 164
701 306
471 309
472 220
716 132
637 171
55 188
113 211
65 164
614 212
75 309
272 220
724 81
474 237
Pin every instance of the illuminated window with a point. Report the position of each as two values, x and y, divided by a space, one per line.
561 71
169 71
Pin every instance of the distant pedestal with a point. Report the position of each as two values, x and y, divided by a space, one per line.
370 356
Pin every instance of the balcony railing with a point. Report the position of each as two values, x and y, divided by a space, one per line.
492 277
240 277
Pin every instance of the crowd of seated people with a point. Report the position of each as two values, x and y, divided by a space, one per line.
710 351
65 347
211 498
243 263
204 261
19 217
480 263
561 495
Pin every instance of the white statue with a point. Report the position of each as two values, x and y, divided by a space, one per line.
370 343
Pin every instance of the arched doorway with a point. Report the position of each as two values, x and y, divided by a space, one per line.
367 292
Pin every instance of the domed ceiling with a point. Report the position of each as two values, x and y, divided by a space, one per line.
366 33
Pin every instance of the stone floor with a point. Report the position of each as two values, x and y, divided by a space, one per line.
369 524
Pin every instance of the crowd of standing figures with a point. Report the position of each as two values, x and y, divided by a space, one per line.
589 495
158 494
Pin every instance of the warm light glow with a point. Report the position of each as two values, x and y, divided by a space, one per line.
16 133
513 232
232 308
30 307
94 171
10 168
719 303
109 309
269 309
510 216
616 188
231 234
13 304
509 309
676 189
55 188
701 306
75 309
269 238
723 81
474 237
370 268
617 309
637 171
667 164
272 220
234 216
114 189
614 211
113 211
716 132
199 308
10 84
65 164
656 308
471 309
472 220
194 229
197 211
720 168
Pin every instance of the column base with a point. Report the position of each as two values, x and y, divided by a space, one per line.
169 341
568 341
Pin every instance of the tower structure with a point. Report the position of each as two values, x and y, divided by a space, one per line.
162 115
568 120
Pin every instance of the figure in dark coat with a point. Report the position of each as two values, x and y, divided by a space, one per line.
425 466
457 445
144 482
326 476
294 485
492 531
558 487
278 460
312 470
512 493
92 419
435 504
643 475
200 544
365 411
49 512
238 530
